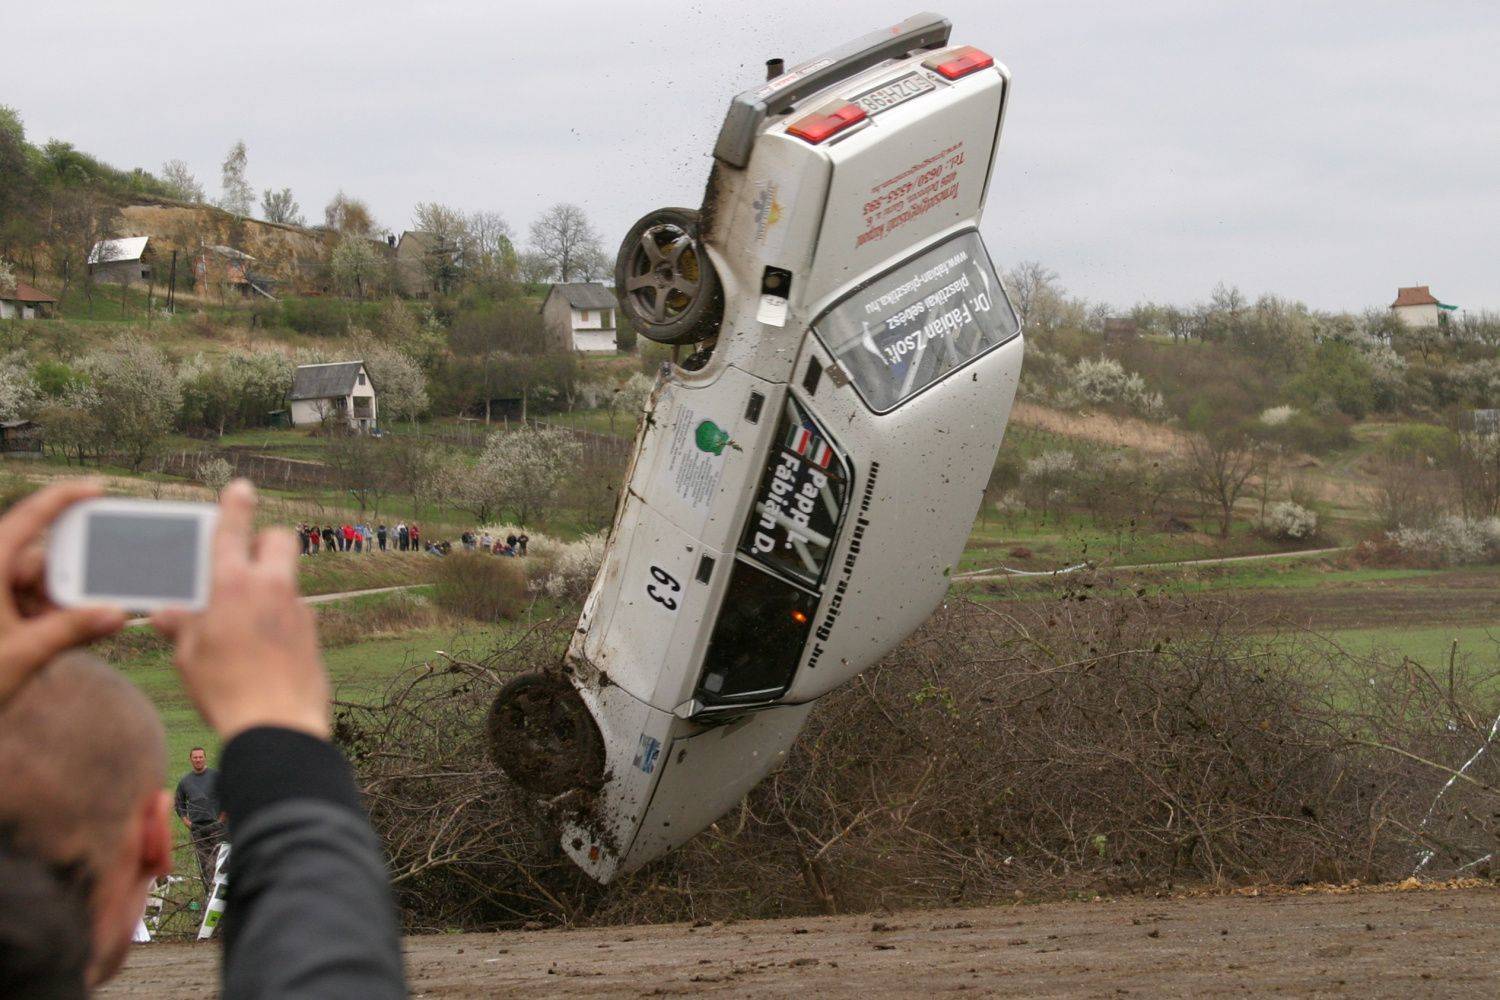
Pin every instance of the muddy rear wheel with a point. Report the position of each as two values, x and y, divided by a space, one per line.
543 737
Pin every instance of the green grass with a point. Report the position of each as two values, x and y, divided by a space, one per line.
1474 651
331 573
1478 645
358 671
597 422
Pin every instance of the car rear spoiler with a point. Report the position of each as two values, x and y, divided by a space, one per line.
749 110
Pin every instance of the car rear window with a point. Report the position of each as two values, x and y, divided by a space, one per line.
908 329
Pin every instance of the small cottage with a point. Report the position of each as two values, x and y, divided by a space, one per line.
1417 307
339 394
121 262
581 316
25 302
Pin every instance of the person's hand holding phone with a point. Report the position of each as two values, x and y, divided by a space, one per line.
250 657
32 629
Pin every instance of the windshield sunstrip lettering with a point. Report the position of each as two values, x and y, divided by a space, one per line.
920 321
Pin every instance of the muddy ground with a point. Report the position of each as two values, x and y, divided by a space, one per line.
1423 943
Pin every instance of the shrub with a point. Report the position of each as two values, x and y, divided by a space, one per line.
565 570
1454 540
1112 745
1276 416
215 473
481 587
1313 433
1105 382
1290 521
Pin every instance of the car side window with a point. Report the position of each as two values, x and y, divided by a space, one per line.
920 321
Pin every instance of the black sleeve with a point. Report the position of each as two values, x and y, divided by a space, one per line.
309 912
179 801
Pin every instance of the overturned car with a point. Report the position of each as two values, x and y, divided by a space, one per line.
804 480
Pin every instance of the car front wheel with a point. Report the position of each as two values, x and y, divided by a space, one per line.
542 736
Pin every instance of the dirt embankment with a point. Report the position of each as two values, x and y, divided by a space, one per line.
1356 944
289 254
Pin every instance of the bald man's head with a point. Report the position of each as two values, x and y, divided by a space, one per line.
82 769
79 746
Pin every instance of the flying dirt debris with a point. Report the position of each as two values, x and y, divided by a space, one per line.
803 482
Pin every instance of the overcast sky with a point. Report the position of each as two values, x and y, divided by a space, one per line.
1328 151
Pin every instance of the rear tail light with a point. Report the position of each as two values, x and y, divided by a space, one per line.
826 122
959 62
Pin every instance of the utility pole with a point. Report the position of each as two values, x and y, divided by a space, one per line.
172 286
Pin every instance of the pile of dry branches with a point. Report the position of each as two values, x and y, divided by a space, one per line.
1075 745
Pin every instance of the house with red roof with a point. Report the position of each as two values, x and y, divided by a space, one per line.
1417 307
25 302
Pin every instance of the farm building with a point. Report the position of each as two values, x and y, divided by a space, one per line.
340 393
121 262
227 272
425 263
25 302
1417 307
581 316
20 437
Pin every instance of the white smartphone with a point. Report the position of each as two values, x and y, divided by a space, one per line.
140 555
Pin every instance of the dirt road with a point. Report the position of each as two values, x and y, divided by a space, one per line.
1424 943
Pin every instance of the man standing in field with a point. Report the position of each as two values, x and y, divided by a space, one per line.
197 805
380 534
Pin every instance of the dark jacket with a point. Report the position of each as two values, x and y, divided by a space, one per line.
309 912
197 798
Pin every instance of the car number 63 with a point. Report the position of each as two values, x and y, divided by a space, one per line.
668 584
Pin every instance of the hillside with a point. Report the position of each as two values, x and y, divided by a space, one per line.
295 257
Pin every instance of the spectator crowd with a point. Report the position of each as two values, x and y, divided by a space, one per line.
403 537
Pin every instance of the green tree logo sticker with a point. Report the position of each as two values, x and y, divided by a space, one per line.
711 437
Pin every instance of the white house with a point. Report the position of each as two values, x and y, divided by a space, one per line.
336 393
1417 307
123 262
581 315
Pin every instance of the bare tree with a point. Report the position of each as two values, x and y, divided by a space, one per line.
358 465
181 183
1221 461
513 330
79 219
491 253
1028 282
348 216
533 267
564 236
237 197
280 206
448 243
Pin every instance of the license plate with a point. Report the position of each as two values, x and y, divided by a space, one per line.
898 91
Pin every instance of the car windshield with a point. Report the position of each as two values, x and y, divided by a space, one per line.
933 314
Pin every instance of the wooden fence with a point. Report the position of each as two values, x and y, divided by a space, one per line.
263 470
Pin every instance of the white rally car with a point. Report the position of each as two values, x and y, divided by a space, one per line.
804 482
